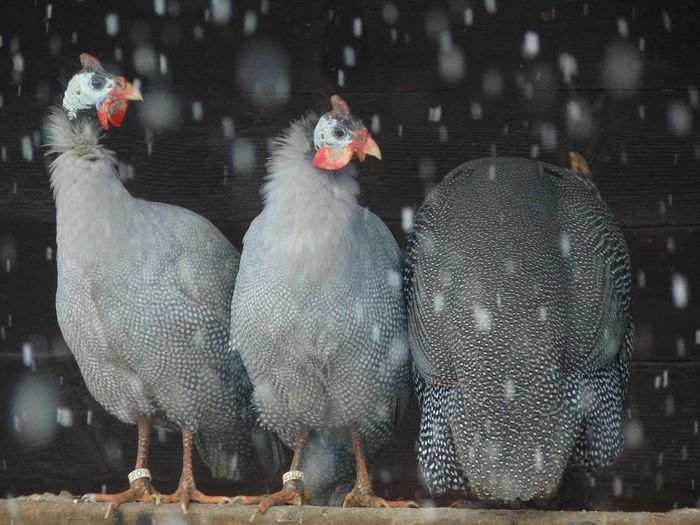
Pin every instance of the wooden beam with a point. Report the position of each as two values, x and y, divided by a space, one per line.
49 509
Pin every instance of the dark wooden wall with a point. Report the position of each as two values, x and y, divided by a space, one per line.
631 109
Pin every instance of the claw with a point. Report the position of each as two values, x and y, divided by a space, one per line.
359 497
187 493
140 490
247 500
291 494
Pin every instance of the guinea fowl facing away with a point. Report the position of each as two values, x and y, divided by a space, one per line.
318 314
143 302
517 282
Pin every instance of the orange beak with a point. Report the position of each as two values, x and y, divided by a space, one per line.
129 92
337 157
364 145
113 109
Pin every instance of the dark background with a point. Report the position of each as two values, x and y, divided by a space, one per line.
631 109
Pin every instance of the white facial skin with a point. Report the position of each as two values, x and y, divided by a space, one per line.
331 132
86 89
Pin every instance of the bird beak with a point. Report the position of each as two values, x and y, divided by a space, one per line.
131 92
113 109
364 145
372 149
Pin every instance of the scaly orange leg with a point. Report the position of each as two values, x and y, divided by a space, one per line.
362 494
292 492
140 489
187 490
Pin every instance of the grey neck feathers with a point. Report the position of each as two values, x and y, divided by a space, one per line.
309 213
94 211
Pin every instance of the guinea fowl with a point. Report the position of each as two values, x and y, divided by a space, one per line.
143 302
318 313
517 282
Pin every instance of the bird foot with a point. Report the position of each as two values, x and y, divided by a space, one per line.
187 492
291 494
140 490
361 497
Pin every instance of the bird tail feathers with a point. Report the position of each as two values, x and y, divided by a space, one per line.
329 469
235 459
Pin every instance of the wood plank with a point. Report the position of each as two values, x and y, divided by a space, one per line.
657 471
665 331
647 175
47 509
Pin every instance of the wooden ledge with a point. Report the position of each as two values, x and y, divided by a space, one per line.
49 509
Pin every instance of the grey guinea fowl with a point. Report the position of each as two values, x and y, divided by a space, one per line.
517 283
143 302
318 313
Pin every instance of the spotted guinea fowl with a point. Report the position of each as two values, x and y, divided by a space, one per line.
143 302
318 313
517 282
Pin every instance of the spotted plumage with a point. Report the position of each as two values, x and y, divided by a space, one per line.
517 284
318 314
143 302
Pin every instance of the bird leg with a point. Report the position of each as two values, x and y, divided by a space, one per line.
140 489
362 494
292 492
187 490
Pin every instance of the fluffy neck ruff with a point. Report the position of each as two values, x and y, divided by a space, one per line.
309 213
93 209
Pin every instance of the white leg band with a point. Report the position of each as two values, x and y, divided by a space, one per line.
292 475
138 474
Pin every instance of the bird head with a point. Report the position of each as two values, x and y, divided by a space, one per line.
94 87
339 135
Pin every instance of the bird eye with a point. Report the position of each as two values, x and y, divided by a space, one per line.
339 132
362 139
97 82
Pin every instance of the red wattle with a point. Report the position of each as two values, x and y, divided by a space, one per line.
332 158
117 112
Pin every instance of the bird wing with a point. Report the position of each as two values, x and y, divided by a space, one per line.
599 275
601 287
382 239
197 259
420 240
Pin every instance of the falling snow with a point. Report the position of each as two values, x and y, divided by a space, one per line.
250 23
407 218
531 45
568 66
679 290
680 118
390 13
112 24
221 11
482 318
